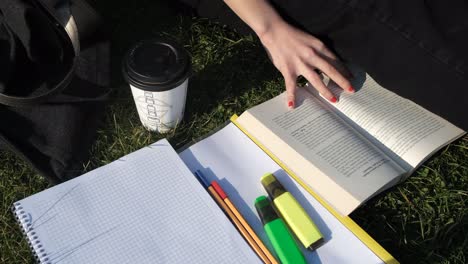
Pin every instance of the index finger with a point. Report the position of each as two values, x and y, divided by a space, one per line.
290 83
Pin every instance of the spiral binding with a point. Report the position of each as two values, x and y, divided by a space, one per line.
29 233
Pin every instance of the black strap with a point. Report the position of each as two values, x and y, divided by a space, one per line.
28 101
19 101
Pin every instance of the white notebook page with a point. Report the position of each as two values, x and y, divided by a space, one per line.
231 158
146 207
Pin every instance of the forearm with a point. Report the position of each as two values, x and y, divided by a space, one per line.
258 14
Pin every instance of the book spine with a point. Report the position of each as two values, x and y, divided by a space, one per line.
24 220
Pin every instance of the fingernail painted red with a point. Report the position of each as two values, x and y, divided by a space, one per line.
290 104
351 89
333 99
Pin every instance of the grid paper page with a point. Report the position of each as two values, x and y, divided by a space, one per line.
146 207
231 158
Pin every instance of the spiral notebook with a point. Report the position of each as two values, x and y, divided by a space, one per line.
145 207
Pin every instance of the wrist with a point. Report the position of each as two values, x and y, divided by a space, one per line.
268 33
264 28
259 15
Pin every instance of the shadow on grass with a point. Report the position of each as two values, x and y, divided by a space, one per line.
233 77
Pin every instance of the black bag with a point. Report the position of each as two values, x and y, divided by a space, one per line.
54 68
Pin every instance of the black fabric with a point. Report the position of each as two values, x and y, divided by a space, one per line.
417 49
219 11
35 55
38 59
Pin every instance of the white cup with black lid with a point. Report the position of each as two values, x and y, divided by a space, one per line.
158 71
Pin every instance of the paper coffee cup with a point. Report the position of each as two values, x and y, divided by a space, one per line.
157 72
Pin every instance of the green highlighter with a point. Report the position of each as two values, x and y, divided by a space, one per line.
283 242
293 213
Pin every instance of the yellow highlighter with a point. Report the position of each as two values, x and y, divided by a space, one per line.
293 213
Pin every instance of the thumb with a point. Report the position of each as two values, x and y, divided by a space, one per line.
290 82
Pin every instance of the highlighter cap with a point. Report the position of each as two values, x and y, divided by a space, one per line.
265 210
273 187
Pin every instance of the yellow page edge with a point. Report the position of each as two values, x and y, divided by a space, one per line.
345 220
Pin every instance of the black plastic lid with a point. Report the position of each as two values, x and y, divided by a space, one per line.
156 65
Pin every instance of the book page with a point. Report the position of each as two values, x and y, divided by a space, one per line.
146 207
405 128
338 163
237 163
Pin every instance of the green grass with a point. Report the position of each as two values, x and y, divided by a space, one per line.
423 220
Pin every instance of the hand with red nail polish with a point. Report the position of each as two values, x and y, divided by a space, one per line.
293 52
296 53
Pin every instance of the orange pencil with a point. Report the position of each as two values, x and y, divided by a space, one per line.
242 230
231 215
242 220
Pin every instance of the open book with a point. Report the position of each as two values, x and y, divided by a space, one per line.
352 150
